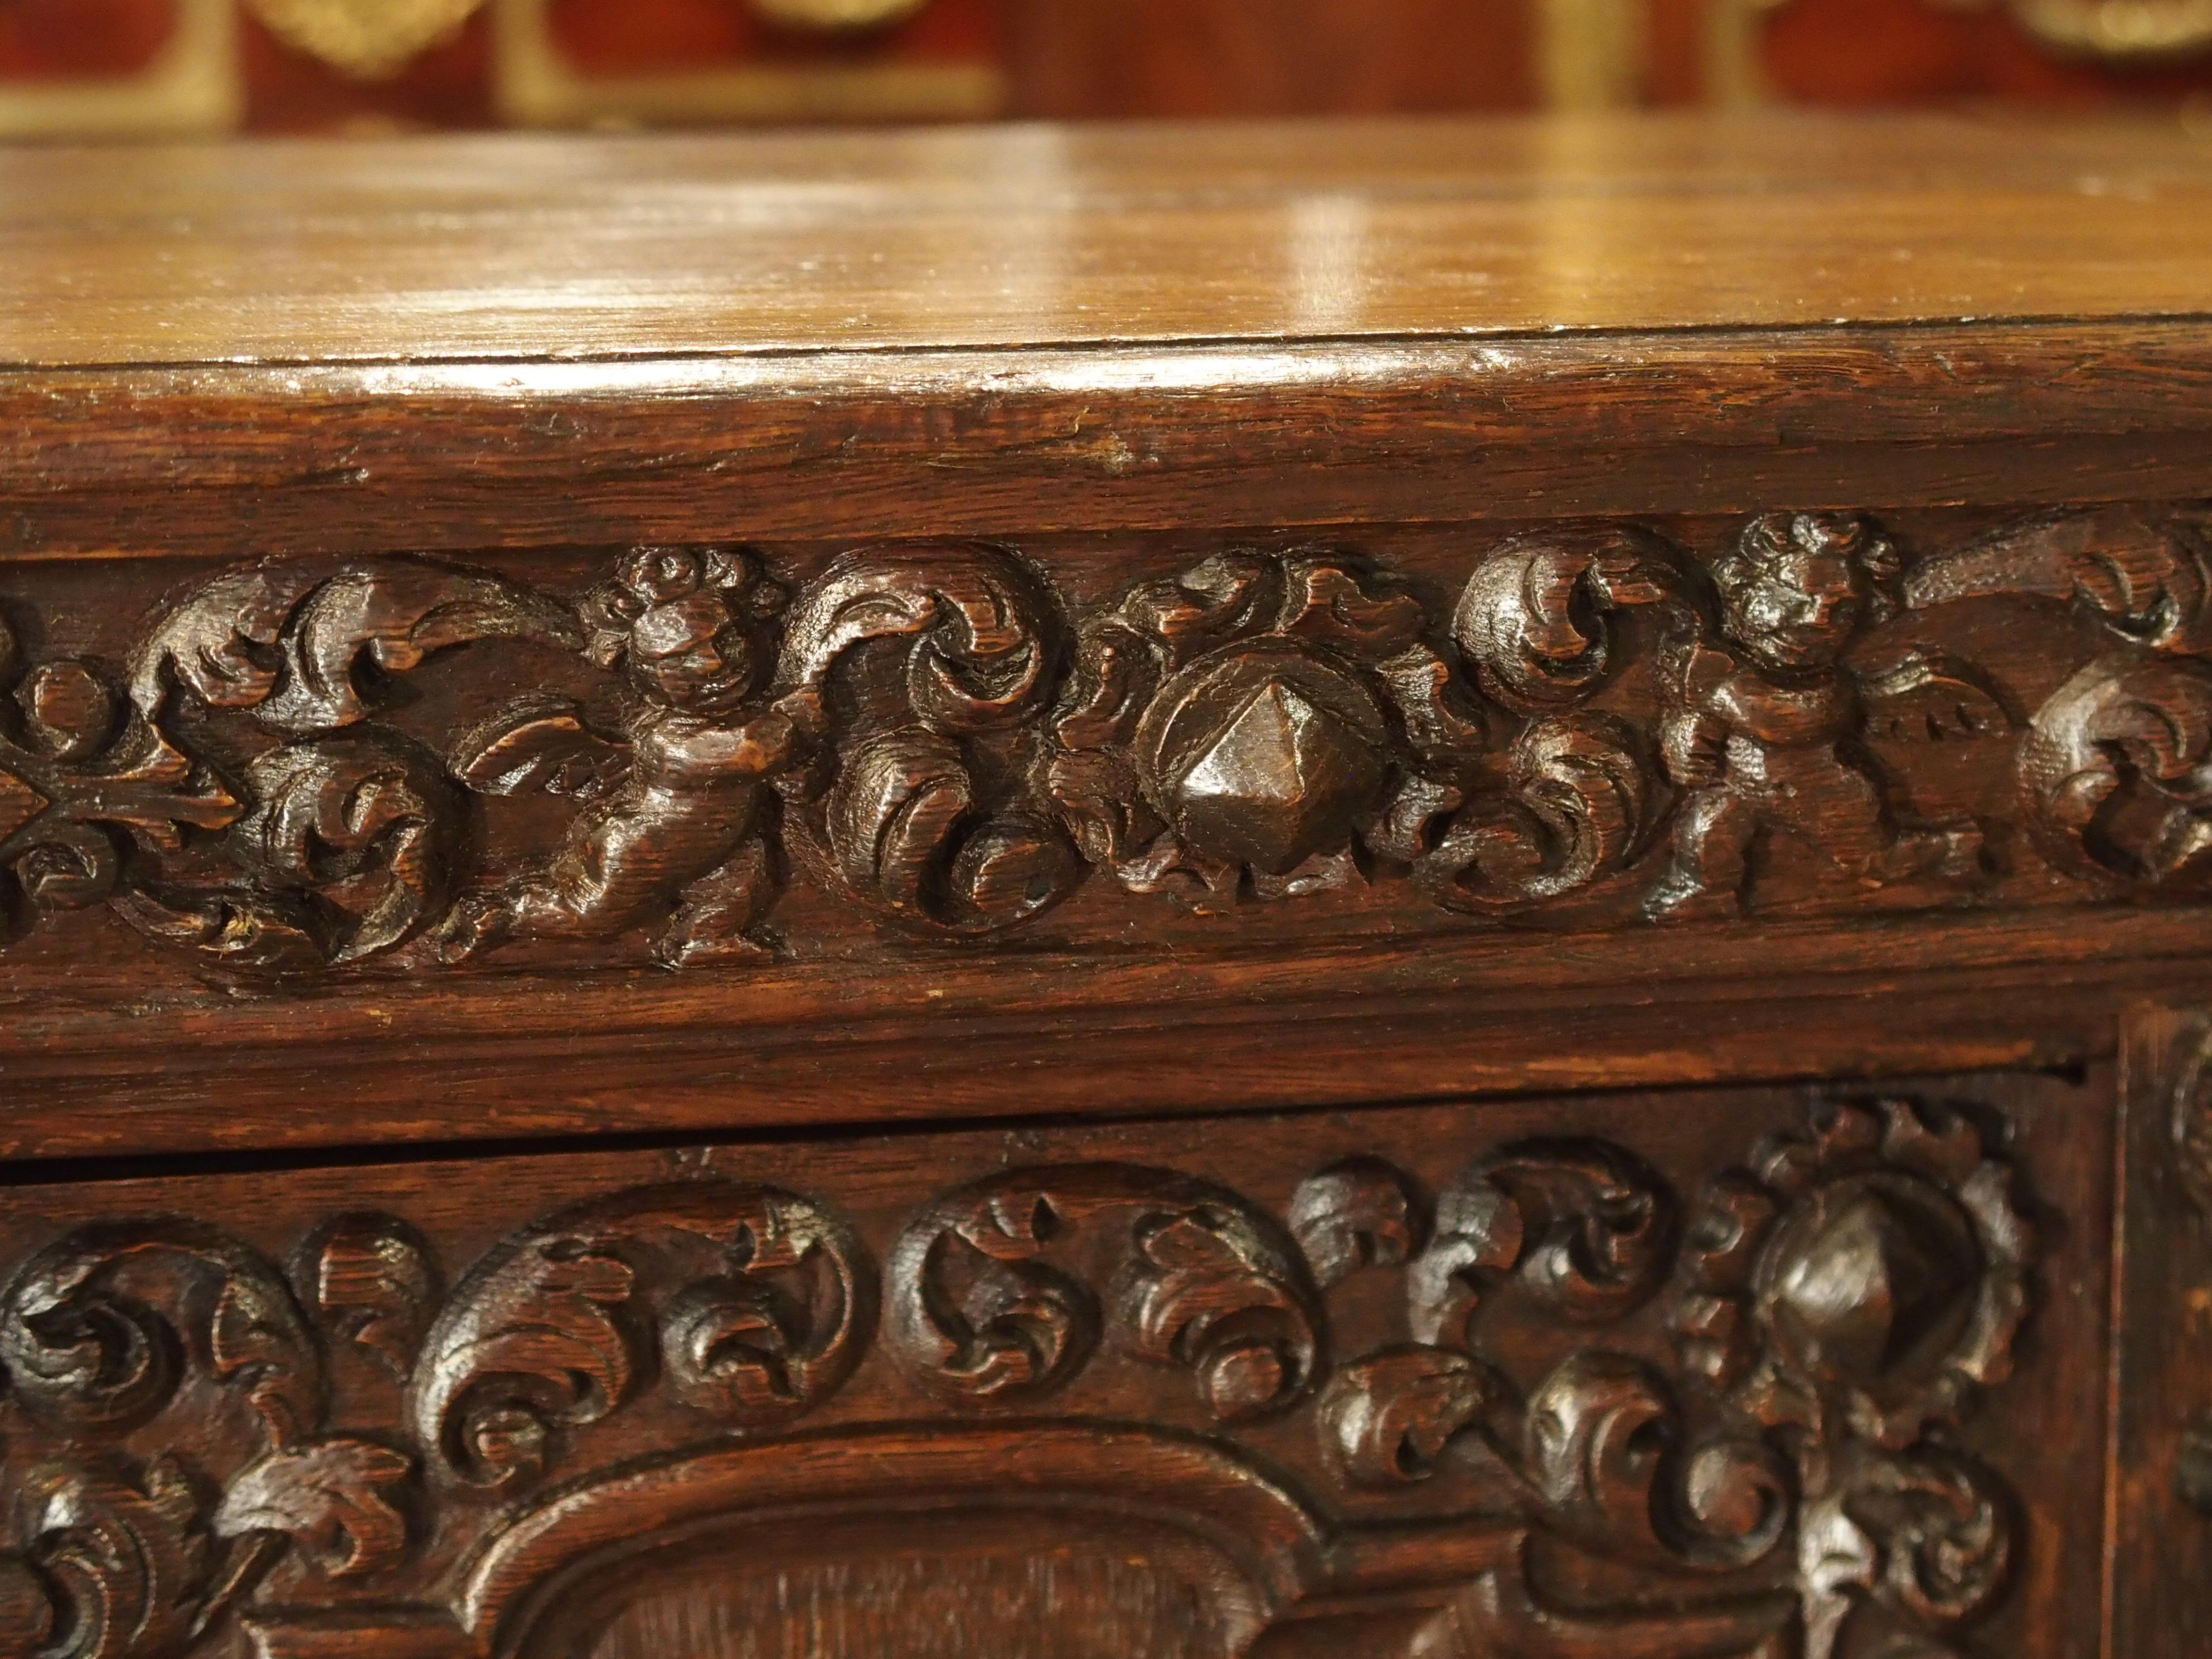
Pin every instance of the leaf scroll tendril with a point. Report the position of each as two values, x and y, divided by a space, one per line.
916 671
91 1326
1582 1225
981 1307
752 1302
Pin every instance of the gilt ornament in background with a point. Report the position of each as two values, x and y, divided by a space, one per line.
367 39
827 14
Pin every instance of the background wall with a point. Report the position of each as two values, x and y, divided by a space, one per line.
115 67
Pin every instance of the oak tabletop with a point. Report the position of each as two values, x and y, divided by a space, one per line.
521 248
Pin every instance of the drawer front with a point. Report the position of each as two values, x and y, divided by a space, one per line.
1816 1371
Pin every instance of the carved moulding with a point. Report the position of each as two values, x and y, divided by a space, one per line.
1607 725
1599 1414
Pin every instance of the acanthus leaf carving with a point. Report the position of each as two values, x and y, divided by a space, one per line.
289 641
373 1280
1793 1481
911 671
330 1496
110 1328
2116 771
1603 1447
2146 578
89 1331
1580 1224
1389 1416
754 1302
1927 1533
1358 1212
1837 1307
1202 1283
124 1563
1611 724
1536 617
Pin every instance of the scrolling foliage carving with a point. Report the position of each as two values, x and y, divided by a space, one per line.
1204 1283
1607 724
1733 1415
751 1304
120 1550
1836 1308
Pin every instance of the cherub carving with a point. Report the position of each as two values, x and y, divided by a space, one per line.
1760 729
675 808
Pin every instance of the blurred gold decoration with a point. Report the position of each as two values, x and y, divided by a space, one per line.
2117 31
193 86
536 84
1592 53
835 14
367 39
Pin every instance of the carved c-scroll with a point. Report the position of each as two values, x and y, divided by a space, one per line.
1204 1283
1582 1417
100 1332
755 1304
906 667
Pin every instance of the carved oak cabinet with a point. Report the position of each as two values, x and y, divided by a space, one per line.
1411 892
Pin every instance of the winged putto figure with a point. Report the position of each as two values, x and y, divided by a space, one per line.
1762 726
675 808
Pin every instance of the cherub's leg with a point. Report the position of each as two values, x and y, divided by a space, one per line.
1849 818
1952 847
1712 841
618 862
718 919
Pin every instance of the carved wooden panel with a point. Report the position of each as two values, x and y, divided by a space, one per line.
722 754
1745 1372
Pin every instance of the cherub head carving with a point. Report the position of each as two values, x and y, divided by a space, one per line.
1797 585
684 623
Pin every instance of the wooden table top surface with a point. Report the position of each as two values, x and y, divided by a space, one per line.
523 248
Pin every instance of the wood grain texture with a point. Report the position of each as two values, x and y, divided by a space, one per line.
1703 1371
1399 625
1043 236
2158 1547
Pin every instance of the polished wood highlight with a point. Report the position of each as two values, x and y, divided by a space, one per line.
1044 237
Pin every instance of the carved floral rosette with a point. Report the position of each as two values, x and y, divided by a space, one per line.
1731 1426
1607 722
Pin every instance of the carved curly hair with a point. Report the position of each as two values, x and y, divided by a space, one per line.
1760 552
646 577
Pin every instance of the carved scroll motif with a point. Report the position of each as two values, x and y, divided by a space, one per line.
981 1309
1836 1308
117 1326
1731 1426
751 1304
1608 725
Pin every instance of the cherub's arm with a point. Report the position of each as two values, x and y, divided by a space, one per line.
1693 736
757 748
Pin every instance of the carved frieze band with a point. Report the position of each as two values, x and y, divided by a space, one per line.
1739 1415
932 733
